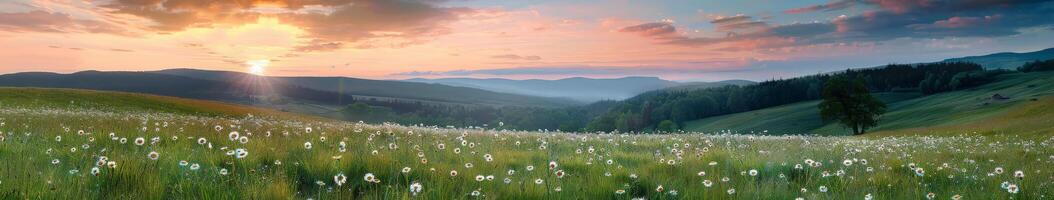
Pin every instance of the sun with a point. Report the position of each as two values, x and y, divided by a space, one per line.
257 67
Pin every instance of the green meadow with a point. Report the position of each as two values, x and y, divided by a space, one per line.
76 144
1028 112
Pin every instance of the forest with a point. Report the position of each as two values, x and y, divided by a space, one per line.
672 107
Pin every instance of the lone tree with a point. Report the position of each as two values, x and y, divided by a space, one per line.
849 101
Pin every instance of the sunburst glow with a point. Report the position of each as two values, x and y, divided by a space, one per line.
258 67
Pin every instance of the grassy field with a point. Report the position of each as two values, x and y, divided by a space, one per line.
72 144
948 113
794 118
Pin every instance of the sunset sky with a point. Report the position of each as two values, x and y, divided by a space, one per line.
676 40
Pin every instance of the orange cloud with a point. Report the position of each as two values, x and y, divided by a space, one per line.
328 23
43 21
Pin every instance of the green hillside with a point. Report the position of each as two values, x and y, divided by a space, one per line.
77 99
938 112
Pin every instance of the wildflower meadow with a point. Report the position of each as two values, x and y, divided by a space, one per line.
80 150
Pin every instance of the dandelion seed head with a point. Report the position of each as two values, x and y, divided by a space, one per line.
415 188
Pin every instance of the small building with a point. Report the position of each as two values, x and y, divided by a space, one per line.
998 97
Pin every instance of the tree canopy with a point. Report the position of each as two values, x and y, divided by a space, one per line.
1036 66
848 101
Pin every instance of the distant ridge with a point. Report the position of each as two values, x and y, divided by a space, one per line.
577 88
1006 60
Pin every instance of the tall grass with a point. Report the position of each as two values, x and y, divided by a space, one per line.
278 166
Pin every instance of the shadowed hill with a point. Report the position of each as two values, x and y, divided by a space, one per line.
239 91
386 89
123 101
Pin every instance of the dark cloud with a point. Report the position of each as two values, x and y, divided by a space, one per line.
516 57
121 50
738 23
730 20
935 20
733 26
364 20
836 5
903 6
893 19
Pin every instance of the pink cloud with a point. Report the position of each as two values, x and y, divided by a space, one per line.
956 22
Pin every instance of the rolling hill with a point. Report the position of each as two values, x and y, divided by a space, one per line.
19 97
1027 111
1006 60
581 89
404 91
167 85
403 102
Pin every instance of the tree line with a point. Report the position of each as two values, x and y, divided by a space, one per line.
1037 66
671 108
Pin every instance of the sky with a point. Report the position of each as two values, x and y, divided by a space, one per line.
685 40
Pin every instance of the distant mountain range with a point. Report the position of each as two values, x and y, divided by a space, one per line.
321 94
581 89
1006 60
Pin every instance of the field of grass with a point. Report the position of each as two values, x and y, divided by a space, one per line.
794 118
945 113
72 144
